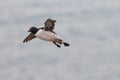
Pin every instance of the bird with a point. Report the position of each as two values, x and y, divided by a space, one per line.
46 33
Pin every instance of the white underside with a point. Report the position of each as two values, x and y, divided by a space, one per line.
46 35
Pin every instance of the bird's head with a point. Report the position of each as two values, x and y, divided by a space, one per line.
33 29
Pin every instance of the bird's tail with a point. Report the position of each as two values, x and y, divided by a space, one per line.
58 41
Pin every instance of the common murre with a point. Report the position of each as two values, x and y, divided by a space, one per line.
46 33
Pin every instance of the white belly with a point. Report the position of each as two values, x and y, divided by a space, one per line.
46 35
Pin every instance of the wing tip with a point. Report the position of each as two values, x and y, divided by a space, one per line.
24 41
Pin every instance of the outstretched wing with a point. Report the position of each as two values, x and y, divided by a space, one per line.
49 24
29 37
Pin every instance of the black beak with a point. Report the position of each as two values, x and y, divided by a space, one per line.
28 30
54 20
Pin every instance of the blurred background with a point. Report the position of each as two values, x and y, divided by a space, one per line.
92 27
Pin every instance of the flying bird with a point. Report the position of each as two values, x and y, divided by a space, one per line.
46 33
